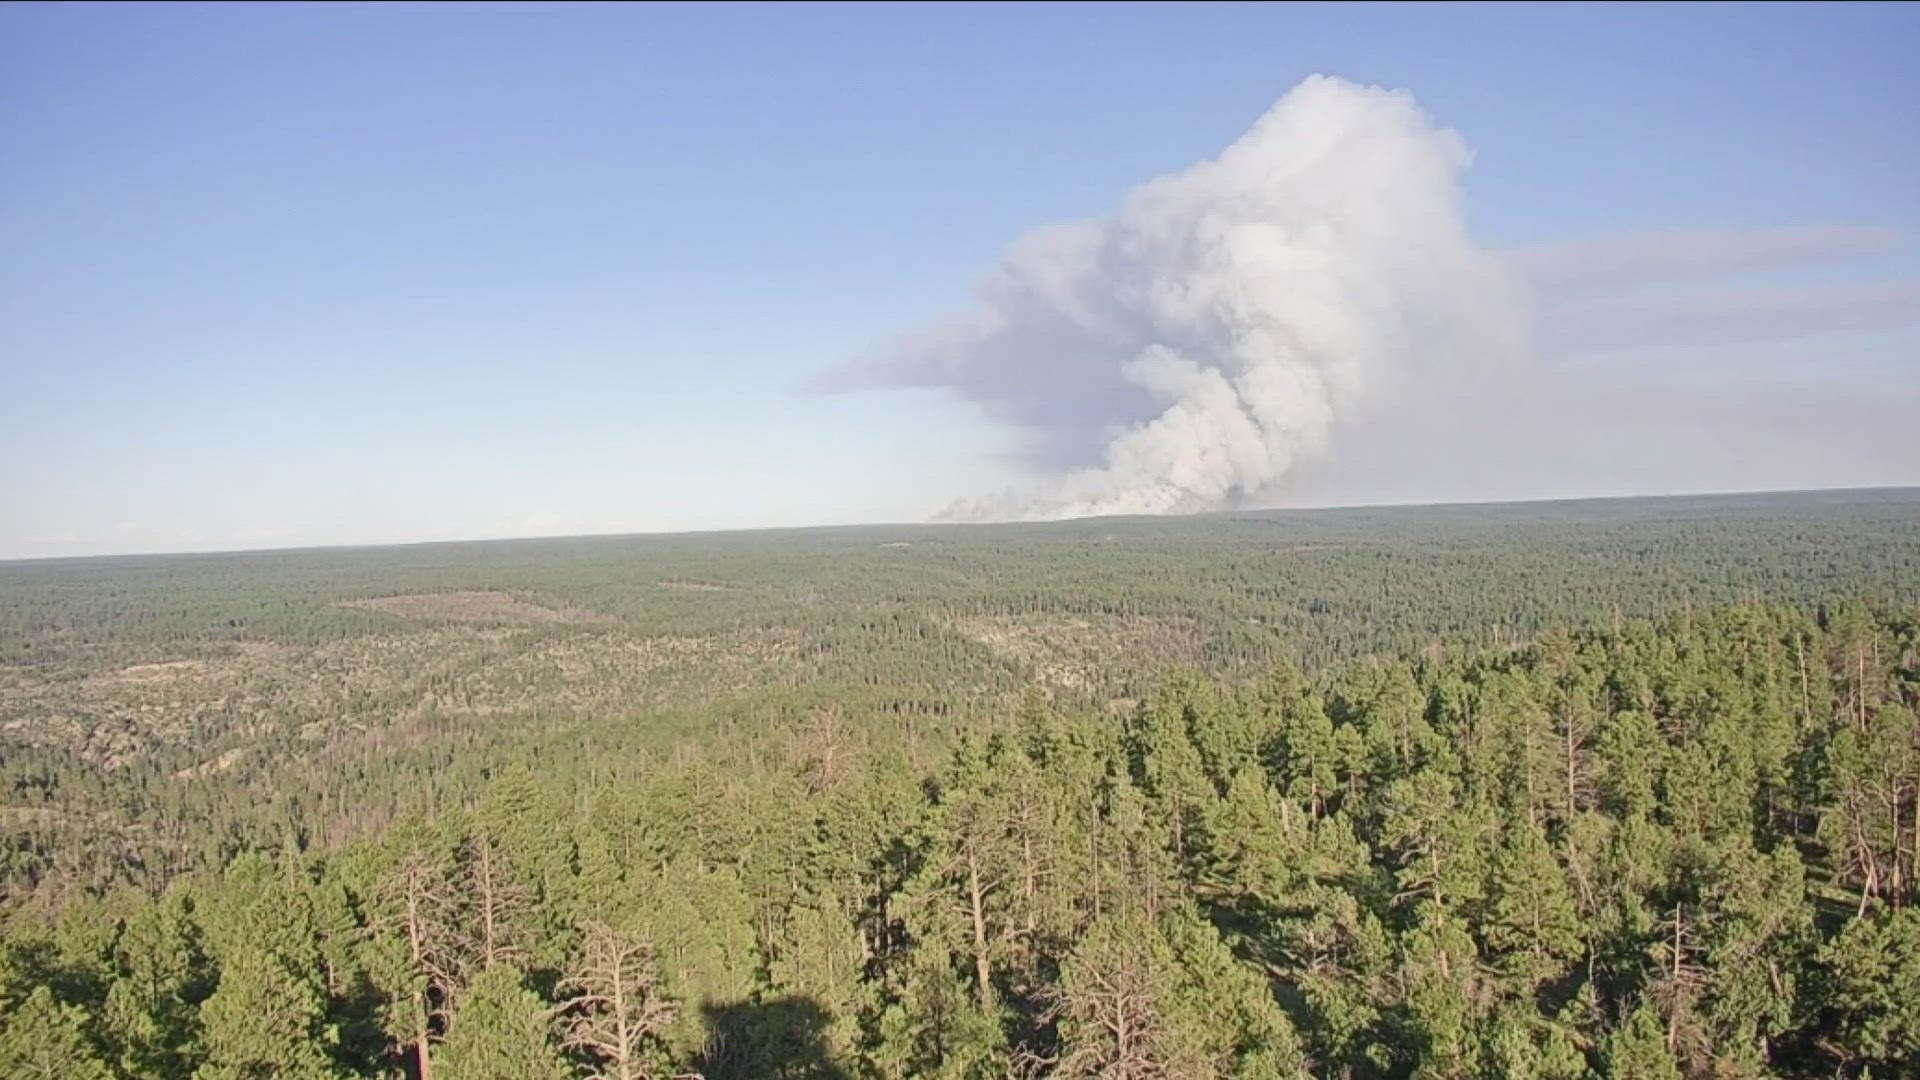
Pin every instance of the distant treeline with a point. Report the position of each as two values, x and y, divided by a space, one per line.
1314 586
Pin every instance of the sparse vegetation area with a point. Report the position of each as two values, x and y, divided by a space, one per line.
473 605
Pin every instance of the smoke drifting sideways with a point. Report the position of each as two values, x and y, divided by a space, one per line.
1189 351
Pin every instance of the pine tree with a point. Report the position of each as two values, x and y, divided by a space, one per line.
1440 846
1872 976
1523 1045
1637 1049
1447 995
1530 922
1304 754
702 924
499 1030
162 976
268 1012
41 1039
934 1027
1759 933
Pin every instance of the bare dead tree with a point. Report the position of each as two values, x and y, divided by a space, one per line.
1678 985
614 1005
500 903
420 910
823 748
1108 1006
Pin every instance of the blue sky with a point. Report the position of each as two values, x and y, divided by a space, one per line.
278 276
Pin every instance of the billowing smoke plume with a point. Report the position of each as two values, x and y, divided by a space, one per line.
1185 353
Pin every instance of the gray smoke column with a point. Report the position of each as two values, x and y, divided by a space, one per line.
1186 352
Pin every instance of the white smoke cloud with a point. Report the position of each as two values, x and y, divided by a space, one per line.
1190 350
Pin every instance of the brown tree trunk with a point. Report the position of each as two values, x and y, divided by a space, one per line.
418 951
1914 862
1093 849
623 1033
1870 869
1860 684
976 897
1026 855
1894 882
487 940
1573 751
1673 1018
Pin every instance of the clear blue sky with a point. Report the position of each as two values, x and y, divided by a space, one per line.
277 276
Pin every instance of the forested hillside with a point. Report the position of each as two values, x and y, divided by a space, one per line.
1610 789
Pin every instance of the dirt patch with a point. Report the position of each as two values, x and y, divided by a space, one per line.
30 817
1080 653
694 585
473 606
166 671
213 765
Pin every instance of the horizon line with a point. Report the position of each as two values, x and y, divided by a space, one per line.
11 561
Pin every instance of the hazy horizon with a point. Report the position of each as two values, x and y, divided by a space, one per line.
1440 504
307 277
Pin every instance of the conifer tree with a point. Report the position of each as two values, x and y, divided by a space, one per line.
1872 976
267 1014
1638 1049
499 1030
1530 922
41 1039
161 978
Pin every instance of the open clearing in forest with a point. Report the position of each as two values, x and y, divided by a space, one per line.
473 606
694 585
1077 652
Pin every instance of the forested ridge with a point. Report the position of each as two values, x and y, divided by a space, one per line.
512 832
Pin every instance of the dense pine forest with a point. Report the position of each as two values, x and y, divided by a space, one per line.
1611 789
